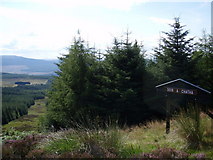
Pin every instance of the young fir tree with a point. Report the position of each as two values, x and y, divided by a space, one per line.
126 70
203 59
174 54
69 98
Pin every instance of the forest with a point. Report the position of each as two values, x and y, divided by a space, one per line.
17 100
120 84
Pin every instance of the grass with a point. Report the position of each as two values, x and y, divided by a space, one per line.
195 128
63 145
98 143
149 140
145 139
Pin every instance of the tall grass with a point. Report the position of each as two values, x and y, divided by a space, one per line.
94 138
101 139
191 127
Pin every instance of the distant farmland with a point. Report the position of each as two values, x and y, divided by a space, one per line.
8 80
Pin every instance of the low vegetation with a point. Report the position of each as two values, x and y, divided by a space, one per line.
195 128
143 141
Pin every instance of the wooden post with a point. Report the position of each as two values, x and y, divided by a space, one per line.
197 115
167 115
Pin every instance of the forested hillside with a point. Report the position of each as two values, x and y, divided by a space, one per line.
16 100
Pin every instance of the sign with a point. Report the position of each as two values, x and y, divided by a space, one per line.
181 91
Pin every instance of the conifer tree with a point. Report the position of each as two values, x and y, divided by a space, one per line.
70 93
203 59
174 55
126 71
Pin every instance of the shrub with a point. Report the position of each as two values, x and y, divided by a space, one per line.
163 153
7 151
129 150
198 156
13 134
100 143
62 145
20 148
190 127
94 138
37 153
75 155
169 153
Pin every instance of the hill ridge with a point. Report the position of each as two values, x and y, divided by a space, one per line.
22 65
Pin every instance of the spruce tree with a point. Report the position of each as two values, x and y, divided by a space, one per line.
69 98
126 71
174 55
203 59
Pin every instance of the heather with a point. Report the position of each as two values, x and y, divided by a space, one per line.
141 141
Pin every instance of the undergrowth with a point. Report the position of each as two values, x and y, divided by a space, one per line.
110 141
195 128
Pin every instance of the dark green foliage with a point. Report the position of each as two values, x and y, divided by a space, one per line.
173 56
126 71
121 85
191 128
71 91
203 60
17 100
87 86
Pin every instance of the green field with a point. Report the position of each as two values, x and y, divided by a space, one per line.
8 79
11 82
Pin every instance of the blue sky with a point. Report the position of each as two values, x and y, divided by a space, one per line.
43 29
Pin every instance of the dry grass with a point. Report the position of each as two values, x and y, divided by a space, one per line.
153 136
194 127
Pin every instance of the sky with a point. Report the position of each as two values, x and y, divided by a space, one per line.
44 29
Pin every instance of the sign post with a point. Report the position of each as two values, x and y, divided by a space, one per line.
184 90
167 115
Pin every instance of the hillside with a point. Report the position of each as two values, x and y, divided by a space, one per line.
22 65
143 141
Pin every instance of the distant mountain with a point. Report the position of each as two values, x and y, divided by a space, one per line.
22 65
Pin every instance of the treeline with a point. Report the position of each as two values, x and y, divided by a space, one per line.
121 83
23 76
17 100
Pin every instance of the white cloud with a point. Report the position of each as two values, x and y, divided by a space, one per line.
47 32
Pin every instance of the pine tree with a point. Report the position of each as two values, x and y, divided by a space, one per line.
174 55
